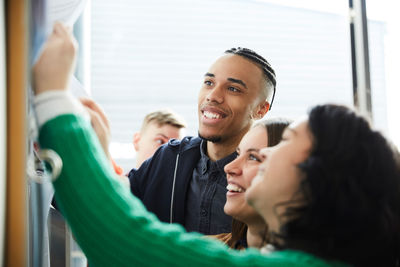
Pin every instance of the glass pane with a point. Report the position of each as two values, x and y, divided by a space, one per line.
384 41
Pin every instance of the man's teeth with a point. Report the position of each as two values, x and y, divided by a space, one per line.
211 115
234 188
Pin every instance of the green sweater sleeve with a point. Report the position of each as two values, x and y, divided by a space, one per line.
113 227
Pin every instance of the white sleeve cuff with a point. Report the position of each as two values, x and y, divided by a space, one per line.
51 104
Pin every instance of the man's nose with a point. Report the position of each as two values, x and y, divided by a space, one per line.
216 94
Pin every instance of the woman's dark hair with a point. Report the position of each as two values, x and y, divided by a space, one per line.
274 128
351 190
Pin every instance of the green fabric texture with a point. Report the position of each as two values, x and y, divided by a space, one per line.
113 228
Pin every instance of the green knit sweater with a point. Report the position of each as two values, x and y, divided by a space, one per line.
113 227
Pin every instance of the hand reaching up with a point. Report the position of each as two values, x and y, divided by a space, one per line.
55 65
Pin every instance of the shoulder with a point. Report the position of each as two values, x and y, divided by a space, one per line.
187 143
165 156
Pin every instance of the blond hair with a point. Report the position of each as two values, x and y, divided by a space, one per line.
163 117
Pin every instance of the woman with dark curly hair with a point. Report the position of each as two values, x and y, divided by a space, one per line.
329 192
332 188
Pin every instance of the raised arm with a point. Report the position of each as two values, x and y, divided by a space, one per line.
112 226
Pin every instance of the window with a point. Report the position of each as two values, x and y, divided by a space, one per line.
384 40
147 55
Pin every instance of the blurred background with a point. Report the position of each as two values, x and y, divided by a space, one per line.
138 56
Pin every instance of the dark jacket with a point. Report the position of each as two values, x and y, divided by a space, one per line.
162 181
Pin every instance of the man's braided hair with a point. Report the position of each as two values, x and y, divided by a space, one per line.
268 71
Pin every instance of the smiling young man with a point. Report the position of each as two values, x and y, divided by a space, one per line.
184 182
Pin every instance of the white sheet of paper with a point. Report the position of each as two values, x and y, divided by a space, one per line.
66 11
76 88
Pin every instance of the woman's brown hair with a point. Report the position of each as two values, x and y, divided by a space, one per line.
274 128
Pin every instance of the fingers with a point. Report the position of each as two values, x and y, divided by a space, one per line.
59 32
99 122
95 119
63 34
61 29
101 130
89 103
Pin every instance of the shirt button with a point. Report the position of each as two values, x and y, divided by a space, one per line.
203 212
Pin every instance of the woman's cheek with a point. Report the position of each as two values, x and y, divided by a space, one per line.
251 192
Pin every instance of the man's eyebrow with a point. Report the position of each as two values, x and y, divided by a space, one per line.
229 79
237 81
162 135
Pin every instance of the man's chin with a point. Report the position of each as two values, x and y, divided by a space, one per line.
212 139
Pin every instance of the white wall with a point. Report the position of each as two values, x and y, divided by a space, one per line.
2 131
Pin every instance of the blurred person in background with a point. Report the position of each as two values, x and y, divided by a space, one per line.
157 128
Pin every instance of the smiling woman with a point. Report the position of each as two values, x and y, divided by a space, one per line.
248 227
330 187
279 178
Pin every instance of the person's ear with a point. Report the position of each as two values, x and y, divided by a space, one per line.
261 110
136 139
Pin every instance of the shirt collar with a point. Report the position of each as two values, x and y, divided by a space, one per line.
208 164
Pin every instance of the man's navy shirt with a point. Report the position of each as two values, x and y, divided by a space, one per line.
206 196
